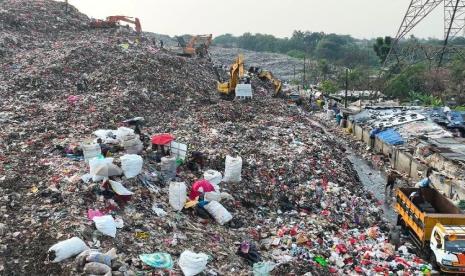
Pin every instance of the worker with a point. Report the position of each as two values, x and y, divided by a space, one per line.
196 161
161 43
425 182
373 133
82 83
104 148
394 236
416 198
339 117
390 181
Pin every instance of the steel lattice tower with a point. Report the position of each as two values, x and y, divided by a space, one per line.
454 22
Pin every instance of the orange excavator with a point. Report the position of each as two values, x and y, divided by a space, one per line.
112 21
197 45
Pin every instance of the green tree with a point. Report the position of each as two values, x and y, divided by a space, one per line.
324 68
329 86
410 79
382 47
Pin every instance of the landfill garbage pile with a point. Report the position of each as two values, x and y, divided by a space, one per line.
277 198
282 66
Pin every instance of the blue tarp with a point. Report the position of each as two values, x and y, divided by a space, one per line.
391 137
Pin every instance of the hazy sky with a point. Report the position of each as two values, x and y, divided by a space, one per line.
360 18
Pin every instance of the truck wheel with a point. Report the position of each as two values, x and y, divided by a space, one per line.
433 261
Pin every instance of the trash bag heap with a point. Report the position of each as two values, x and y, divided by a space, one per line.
289 202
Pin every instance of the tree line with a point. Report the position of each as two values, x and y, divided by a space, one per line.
337 49
331 55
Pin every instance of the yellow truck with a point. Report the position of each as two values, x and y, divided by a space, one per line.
436 226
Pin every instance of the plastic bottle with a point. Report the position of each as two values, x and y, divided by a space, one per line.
168 167
91 150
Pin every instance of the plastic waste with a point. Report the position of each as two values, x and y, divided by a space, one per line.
157 260
93 213
199 187
249 251
220 213
119 189
214 177
132 144
108 136
106 225
321 261
123 132
131 165
168 167
99 258
66 249
95 268
213 196
177 195
263 268
233 169
91 150
95 164
192 263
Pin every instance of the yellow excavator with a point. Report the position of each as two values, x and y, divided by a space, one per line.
236 76
267 75
278 85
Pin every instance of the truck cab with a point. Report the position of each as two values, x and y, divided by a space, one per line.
447 246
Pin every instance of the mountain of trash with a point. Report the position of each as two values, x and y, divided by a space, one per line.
247 187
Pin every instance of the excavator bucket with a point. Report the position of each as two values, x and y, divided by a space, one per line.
223 88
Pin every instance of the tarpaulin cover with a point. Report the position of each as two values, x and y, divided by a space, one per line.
391 137
199 187
162 139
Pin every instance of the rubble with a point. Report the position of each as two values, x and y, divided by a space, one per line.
293 195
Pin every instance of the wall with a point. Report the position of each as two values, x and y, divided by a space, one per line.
403 162
406 163
358 132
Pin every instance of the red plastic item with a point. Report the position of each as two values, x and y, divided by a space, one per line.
201 184
162 139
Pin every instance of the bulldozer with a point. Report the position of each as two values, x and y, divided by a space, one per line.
111 22
237 76
267 75
197 46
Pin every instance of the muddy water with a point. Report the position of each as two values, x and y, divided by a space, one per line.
374 181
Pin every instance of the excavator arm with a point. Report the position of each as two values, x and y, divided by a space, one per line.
112 21
236 72
276 82
127 19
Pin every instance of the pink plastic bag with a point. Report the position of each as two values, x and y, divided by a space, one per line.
94 213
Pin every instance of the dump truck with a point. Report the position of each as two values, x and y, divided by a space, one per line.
435 225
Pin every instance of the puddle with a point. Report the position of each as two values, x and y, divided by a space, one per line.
373 181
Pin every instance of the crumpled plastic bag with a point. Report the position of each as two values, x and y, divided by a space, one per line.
106 225
66 249
158 260
192 263
263 268
97 269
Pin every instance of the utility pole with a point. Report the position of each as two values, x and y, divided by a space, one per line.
347 87
66 8
303 77
294 74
